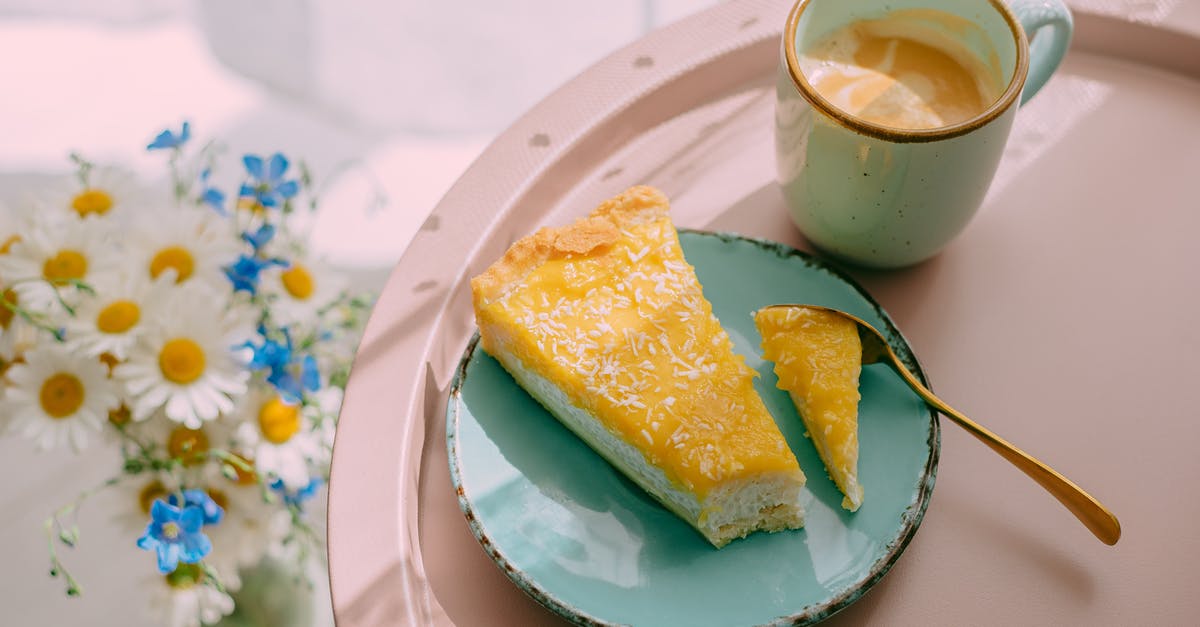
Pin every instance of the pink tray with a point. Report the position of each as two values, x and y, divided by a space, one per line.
1064 318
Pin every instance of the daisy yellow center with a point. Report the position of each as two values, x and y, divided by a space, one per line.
92 201
110 360
181 361
298 282
9 298
118 317
189 445
120 416
219 497
9 243
244 476
278 420
62 395
177 258
149 493
65 266
184 576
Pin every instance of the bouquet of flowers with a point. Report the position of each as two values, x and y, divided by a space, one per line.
193 331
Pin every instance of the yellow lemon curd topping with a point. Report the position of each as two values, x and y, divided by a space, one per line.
818 358
611 312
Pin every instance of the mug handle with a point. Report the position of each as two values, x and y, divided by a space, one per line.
1048 27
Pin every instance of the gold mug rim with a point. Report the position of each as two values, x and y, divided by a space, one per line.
895 134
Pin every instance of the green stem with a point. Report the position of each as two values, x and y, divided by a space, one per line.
69 537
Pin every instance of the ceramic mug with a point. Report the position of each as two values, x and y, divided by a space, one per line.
888 197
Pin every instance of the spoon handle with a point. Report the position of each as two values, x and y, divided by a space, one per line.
1084 506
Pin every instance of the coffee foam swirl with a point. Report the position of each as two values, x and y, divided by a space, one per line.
895 73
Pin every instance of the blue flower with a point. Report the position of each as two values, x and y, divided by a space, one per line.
261 238
296 377
297 498
270 354
210 195
244 272
267 186
168 139
174 534
290 374
199 498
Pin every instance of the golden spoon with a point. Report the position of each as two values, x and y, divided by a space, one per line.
1086 508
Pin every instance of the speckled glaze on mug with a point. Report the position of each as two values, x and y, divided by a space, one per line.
889 197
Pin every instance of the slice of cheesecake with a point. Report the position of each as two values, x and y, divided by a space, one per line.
818 357
605 324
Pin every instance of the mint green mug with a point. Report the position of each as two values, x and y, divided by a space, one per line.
881 195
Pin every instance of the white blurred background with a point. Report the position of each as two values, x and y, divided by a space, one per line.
388 102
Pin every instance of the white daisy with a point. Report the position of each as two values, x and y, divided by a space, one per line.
277 434
50 255
186 360
181 599
109 193
110 321
192 246
301 290
58 398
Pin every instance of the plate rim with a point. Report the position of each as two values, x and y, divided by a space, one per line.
911 519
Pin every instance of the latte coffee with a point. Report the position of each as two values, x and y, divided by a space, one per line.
892 73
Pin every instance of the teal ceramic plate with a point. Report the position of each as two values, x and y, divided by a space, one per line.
583 540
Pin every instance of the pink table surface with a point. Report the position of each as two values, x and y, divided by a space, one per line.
1064 318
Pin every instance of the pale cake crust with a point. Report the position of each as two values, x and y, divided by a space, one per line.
601 228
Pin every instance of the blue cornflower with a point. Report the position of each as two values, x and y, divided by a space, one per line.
267 186
296 498
168 139
210 195
199 498
244 272
174 534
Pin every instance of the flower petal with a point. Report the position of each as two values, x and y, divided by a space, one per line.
163 140
287 189
168 557
277 166
147 541
254 165
191 519
161 512
195 547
